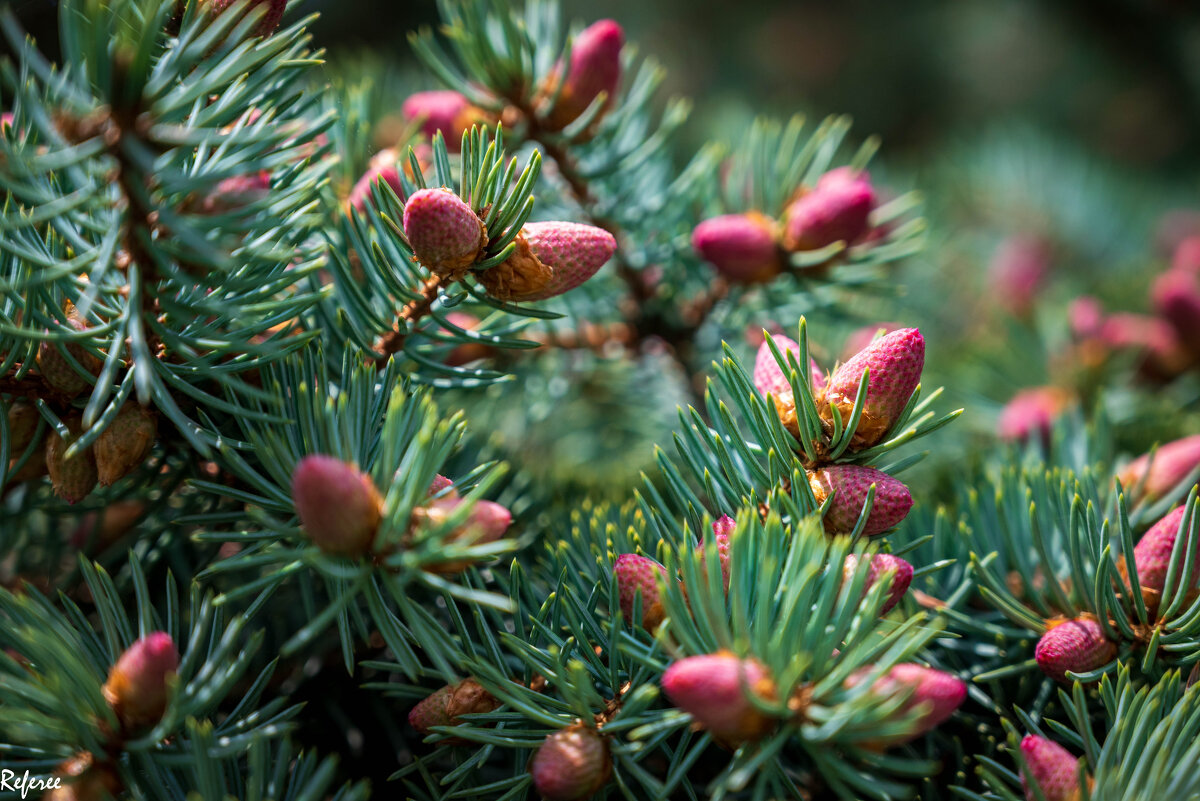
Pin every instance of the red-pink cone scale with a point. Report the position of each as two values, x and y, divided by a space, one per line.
445 233
713 689
1152 554
895 362
338 505
1077 645
851 483
571 765
1052 769
636 575
881 564
935 693
138 684
551 258
722 529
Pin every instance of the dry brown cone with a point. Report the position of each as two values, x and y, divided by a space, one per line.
125 444
72 478
54 367
83 779
520 275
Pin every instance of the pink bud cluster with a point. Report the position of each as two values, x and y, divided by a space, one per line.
340 511
752 247
893 364
1166 342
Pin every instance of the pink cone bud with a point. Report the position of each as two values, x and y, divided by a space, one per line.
1018 272
722 530
446 111
1086 316
1051 768
742 247
6 122
487 522
571 765
1186 258
1176 296
882 563
935 694
714 688
595 68
851 484
1077 645
638 575
445 233
861 338
138 684
338 505
895 362
838 209
1162 470
769 377
1031 413
267 23
1152 554
440 483
384 166
236 192
551 258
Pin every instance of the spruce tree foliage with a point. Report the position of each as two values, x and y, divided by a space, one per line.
248 404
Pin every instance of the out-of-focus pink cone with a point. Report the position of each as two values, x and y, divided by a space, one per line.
1018 272
1031 413
595 68
935 694
138 684
769 377
446 111
1176 296
881 564
743 247
383 167
1152 475
837 209
713 689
